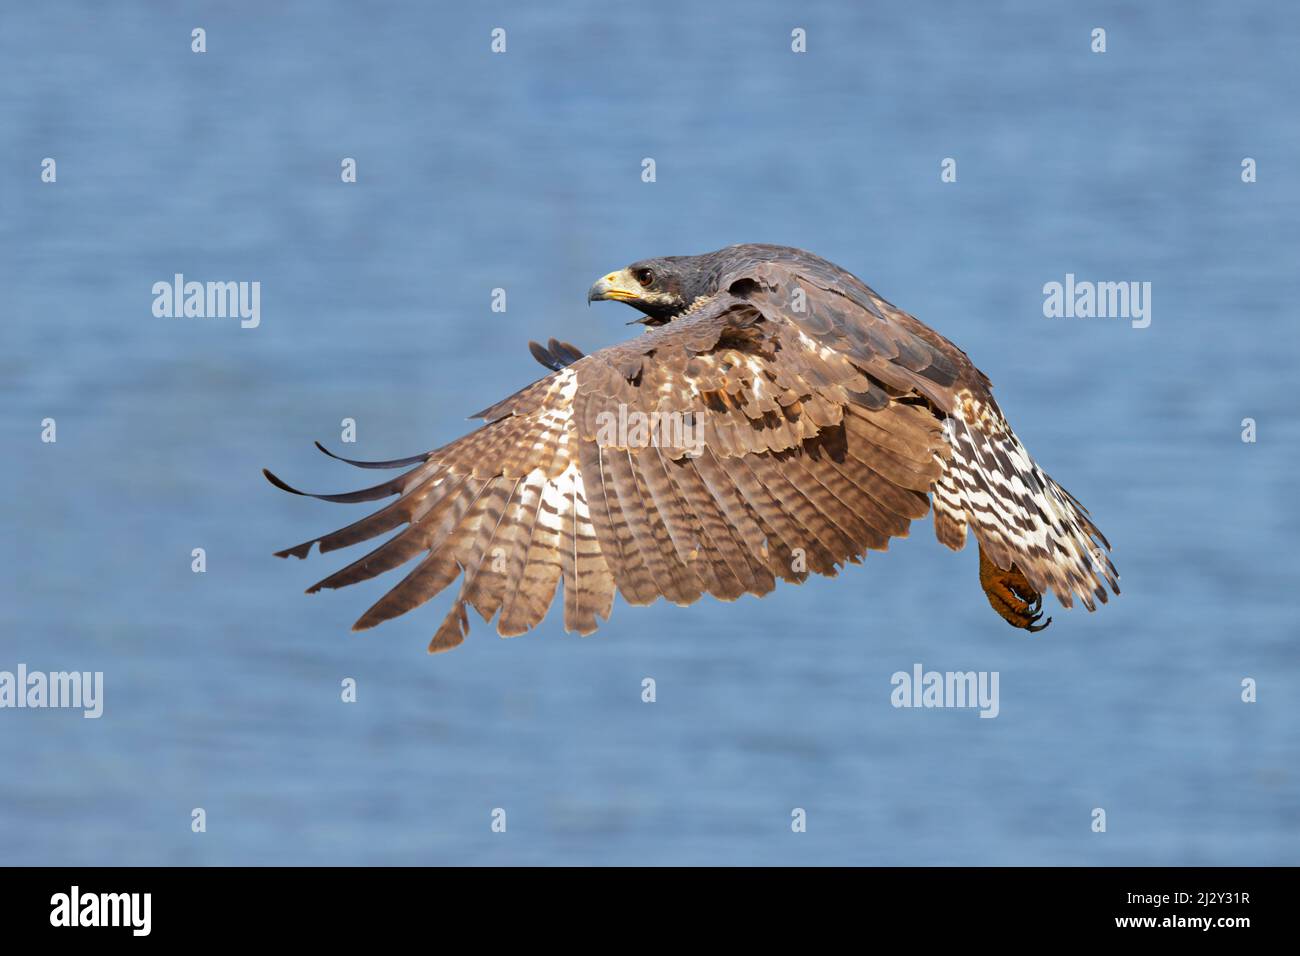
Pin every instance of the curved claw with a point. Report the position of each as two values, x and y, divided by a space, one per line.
1012 596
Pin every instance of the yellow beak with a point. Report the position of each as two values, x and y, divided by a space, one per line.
618 286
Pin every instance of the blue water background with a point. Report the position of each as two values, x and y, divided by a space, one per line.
522 171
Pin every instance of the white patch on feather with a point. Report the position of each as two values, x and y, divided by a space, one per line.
1002 504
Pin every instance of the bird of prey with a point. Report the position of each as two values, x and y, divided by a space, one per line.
812 422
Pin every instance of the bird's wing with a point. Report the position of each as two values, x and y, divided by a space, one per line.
787 459
991 484
841 314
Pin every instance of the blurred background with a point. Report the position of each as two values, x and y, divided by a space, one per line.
523 171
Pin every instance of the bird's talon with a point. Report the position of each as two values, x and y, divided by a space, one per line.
1012 596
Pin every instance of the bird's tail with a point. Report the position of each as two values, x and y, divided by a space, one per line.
1019 515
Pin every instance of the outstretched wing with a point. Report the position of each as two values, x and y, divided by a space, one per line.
990 484
784 455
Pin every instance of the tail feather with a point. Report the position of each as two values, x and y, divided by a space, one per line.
1019 515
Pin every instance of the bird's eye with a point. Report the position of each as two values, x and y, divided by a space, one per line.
644 276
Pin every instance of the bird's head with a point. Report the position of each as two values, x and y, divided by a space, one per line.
662 288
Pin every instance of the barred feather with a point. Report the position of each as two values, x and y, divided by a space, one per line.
1018 513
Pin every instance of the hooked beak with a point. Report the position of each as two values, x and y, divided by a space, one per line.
618 286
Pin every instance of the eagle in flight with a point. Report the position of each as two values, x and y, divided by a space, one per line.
811 421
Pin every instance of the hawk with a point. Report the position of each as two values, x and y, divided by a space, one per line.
810 422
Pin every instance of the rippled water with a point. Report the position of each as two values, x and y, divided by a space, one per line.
523 171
